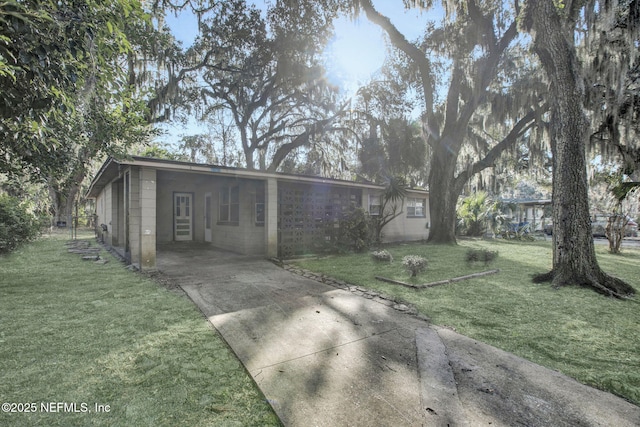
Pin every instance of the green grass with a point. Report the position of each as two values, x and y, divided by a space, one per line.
592 338
73 331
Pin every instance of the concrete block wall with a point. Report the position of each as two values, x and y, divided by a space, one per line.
134 214
271 218
404 228
246 237
102 209
118 222
169 183
112 207
147 185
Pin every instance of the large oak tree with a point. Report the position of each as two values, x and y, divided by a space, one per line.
475 44
574 258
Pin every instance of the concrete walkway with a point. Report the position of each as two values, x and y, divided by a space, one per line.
325 356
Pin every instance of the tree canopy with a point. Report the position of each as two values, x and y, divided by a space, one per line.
54 58
483 110
264 72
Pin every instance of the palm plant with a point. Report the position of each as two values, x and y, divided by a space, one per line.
474 211
392 204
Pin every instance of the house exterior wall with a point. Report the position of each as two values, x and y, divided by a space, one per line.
246 236
309 215
112 206
103 212
271 218
133 229
119 238
243 237
147 185
404 227
110 212
170 183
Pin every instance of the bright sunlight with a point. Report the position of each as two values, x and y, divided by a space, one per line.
355 53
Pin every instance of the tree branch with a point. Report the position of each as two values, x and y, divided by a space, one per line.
400 42
519 129
317 128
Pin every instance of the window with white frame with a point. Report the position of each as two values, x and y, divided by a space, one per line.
229 208
259 208
415 208
375 204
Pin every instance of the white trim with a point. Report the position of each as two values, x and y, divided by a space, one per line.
379 205
180 227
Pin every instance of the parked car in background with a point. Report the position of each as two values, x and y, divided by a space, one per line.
632 229
600 222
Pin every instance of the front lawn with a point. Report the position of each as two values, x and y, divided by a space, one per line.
585 335
74 334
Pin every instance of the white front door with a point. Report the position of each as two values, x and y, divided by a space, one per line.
207 217
182 211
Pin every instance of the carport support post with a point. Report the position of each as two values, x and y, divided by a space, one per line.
142 217
271 217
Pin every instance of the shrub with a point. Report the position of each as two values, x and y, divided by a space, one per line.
354 232
414 264
382 256
17 224
483 255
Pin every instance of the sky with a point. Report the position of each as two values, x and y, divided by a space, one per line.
358 48
355 53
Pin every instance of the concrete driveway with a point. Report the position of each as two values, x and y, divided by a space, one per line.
324 356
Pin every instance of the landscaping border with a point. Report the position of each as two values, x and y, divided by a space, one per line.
439 282
378 297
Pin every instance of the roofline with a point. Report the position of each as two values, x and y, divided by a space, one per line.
211 169
98 175
239 172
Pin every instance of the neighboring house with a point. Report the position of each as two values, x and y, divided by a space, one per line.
531 211
141 202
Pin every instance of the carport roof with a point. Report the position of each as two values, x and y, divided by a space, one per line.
113 169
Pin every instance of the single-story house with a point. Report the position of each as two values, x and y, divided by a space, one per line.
531 211
141 202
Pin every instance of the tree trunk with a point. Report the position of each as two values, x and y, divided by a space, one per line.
443 196
62 200
63 192
574 258
614 231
